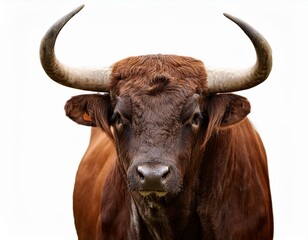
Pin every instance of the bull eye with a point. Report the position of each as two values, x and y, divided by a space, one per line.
116 119
196 119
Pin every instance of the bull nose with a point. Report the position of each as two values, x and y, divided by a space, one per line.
153 177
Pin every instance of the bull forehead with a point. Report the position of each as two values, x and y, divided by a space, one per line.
161 111
150 74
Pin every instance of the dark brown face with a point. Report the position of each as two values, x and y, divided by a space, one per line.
156 135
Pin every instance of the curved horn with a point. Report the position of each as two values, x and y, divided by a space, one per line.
230 81
80 78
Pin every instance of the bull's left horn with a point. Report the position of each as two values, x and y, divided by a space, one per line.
80 78
229 80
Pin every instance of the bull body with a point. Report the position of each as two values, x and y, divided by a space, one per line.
172 154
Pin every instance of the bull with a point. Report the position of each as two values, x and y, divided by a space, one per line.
172 154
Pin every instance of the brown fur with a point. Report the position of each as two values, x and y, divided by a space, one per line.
158 112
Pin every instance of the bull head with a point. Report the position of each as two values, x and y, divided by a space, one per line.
157 104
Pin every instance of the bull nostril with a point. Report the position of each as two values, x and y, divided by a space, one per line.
165 173
140 173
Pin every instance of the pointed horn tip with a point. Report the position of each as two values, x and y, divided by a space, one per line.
81 7
78 8
230 16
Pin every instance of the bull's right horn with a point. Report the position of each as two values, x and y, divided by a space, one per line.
80 78
229 80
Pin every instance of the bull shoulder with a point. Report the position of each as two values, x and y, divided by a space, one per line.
90 179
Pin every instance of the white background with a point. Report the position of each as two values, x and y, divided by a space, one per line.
40 148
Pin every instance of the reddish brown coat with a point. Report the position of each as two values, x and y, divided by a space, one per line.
219 185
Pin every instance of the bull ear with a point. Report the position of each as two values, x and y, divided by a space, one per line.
228 109
89 109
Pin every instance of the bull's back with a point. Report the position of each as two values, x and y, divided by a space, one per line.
90 179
